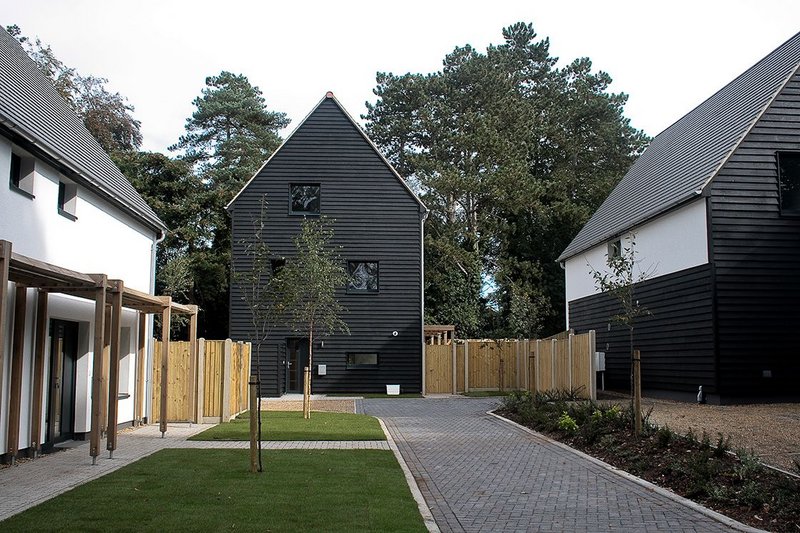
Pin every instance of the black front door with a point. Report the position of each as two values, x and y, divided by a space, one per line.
60 423
296 360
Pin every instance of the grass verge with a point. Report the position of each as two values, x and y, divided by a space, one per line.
376 395
211 490
290 425
485 393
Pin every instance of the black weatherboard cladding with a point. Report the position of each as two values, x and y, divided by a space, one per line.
756 254
676 339
376 219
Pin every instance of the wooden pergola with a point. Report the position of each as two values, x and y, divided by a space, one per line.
439 334
110 297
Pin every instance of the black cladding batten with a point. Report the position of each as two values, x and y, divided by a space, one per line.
377 219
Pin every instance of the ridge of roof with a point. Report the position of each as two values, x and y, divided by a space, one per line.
330 96
31 107
683 159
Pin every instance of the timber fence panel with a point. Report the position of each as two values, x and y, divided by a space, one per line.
581 365
545 366
212 400
439 369
459 367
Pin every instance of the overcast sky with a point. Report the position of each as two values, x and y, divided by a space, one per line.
668 56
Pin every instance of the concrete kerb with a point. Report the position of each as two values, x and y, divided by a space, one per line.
422 505
730 522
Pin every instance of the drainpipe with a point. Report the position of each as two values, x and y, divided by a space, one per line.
149 368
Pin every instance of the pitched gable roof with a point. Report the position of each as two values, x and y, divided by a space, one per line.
682 160
32 108
329 97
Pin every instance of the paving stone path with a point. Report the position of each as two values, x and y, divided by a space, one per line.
478 473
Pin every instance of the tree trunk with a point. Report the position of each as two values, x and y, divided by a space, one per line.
307 382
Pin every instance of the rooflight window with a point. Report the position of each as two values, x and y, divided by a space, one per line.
789 182
20 176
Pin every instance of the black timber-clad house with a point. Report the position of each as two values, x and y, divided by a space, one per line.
329 167
714 205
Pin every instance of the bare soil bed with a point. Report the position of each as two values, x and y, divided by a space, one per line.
772 431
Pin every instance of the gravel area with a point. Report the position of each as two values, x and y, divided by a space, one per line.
770 430
337 405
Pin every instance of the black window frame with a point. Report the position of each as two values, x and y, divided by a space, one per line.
793 211
305 213
276 264
377 288
356 366
615 248
67 199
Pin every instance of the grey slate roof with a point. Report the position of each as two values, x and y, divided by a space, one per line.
31 107
682 160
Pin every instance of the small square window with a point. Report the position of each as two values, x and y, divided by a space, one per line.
304 199
614 249
363 276
789 179
362 360
20 177
67 199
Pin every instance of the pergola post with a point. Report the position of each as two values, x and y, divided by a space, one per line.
17 353
165 327
5 260
38 372
113 382
106 358
194 371
97 364
141 359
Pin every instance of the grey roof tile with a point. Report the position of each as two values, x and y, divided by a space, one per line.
682 159
32 107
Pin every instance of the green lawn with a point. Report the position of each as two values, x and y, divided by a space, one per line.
290 425
212 490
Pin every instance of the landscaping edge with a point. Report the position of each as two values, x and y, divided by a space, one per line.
422 505
730 522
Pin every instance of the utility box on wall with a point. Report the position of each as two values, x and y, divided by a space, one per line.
322 370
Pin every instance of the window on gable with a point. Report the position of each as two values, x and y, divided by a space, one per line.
304 198
362 360
67 199
614 249
277 264
789 180
21 174
363 276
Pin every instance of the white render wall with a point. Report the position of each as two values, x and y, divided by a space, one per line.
667 244
102 240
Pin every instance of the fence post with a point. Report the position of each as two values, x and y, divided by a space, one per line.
537 380
225 407
637 393
553 364
466 365
519 372
569 360
201 379
453 376
592 366
254 413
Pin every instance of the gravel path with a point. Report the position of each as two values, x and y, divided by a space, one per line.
771 430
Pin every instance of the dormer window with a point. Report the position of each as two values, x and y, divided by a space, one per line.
789 181
20 177
304 198
67 199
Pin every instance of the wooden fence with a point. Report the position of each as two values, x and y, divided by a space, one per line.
212 388
562 362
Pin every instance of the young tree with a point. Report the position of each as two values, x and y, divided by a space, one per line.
309 282
261 290
619 280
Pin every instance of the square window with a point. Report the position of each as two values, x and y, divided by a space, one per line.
67 199
304 198
362 360
614 249
363 276
20 177
789 180
277 264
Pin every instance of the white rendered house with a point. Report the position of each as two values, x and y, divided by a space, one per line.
73 232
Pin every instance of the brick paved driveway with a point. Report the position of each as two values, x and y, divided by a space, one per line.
478 473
